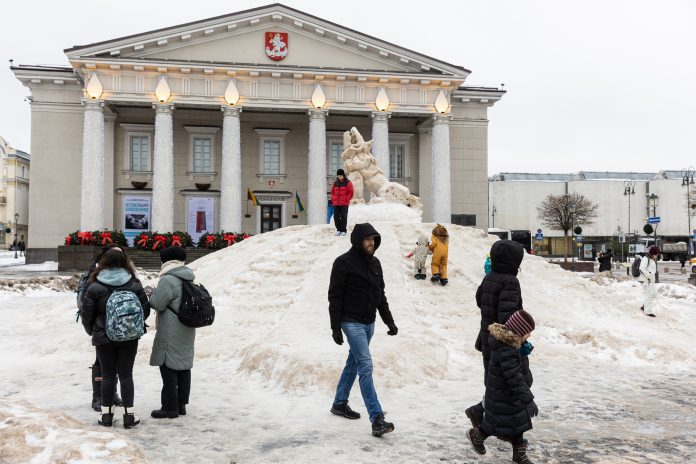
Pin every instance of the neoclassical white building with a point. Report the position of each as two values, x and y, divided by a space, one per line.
14 194
168 129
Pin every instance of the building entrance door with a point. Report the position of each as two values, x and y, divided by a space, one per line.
270 217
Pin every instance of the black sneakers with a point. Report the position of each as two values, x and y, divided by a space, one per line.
344 411
380 426
477 438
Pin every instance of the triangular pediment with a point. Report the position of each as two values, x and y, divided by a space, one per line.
240 38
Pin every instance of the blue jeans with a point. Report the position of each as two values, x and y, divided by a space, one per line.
359 363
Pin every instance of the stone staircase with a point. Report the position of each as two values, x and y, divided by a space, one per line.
150 260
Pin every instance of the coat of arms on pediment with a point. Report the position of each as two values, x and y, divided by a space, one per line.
276 45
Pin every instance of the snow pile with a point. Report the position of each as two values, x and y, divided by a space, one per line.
271 296
382 212
43 436
56 284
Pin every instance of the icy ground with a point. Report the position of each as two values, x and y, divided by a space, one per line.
612 385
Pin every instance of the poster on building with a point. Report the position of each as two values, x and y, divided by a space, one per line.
201 214
136 212
587 251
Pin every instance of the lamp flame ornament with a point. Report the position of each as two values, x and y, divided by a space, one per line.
382 101
318 98
231 94
94 87
441 103
162 91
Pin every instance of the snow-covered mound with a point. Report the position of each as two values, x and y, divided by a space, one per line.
383 212
38 436
271 296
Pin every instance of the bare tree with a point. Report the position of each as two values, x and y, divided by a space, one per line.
562 212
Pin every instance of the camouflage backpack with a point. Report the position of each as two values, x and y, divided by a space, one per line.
124 316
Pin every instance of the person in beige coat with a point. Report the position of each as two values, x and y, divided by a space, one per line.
173 348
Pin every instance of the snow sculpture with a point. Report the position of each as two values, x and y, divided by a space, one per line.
362 170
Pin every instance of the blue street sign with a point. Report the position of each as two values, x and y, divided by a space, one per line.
539 237
578 238
654 220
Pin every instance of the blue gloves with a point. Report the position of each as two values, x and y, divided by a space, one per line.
526 348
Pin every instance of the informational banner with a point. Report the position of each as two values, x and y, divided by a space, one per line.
136 212
201 216
587 250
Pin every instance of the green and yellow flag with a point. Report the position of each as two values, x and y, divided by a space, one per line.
252 197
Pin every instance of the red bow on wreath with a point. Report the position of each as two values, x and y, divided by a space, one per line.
231 239
246 236
176 241
160 240
106 238
68 240
143 240
209 240
85 237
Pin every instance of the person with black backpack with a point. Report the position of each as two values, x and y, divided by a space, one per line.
114 310
172 349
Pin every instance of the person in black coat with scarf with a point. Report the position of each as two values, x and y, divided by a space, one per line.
509 404
114 272
498 297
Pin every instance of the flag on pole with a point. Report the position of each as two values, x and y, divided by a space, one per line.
298 201
252 197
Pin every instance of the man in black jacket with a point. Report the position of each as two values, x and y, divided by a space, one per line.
356 293
498 297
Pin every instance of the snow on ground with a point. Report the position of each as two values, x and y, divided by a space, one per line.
612 385
8 260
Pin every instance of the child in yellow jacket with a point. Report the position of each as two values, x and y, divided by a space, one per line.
439 246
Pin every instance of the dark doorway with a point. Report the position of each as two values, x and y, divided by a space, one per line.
270 217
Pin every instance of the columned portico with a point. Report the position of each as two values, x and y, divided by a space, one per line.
441 196
231 171
380 140
92 185
316 168
163 169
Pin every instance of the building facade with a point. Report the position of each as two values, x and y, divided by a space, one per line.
622 199
169 129
14 194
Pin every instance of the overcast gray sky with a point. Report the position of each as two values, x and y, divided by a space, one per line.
592 84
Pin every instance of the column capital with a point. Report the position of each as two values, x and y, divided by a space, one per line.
228 110
381 115
315 113
93 105
441 118
163 108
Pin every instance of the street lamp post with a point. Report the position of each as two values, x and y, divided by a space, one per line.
652 202
572 232
16 237
687 181
629 189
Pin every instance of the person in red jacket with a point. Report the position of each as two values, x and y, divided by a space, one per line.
341 194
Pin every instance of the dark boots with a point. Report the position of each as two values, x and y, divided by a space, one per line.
163 414
345 411
420 275
435 278
475 415
476 437
519 453
107 416
443 282
380 426
130 420
96 387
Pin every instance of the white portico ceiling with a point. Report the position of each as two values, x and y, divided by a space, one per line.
237 39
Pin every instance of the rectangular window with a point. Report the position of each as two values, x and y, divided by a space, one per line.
202 154
271 157
335 161
464 219
140 153
396 161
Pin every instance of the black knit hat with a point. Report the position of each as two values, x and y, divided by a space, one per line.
341 172
173 253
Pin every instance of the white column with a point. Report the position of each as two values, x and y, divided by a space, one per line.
92 189
425 168
380 140
441 189
316 168
163 170
231 172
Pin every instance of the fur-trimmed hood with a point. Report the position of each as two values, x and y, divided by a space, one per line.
505 335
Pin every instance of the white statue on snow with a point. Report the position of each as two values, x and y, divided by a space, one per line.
362 170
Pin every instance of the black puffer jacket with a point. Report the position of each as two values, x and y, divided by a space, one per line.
356 288
94 307
499 295
508 385
605 262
